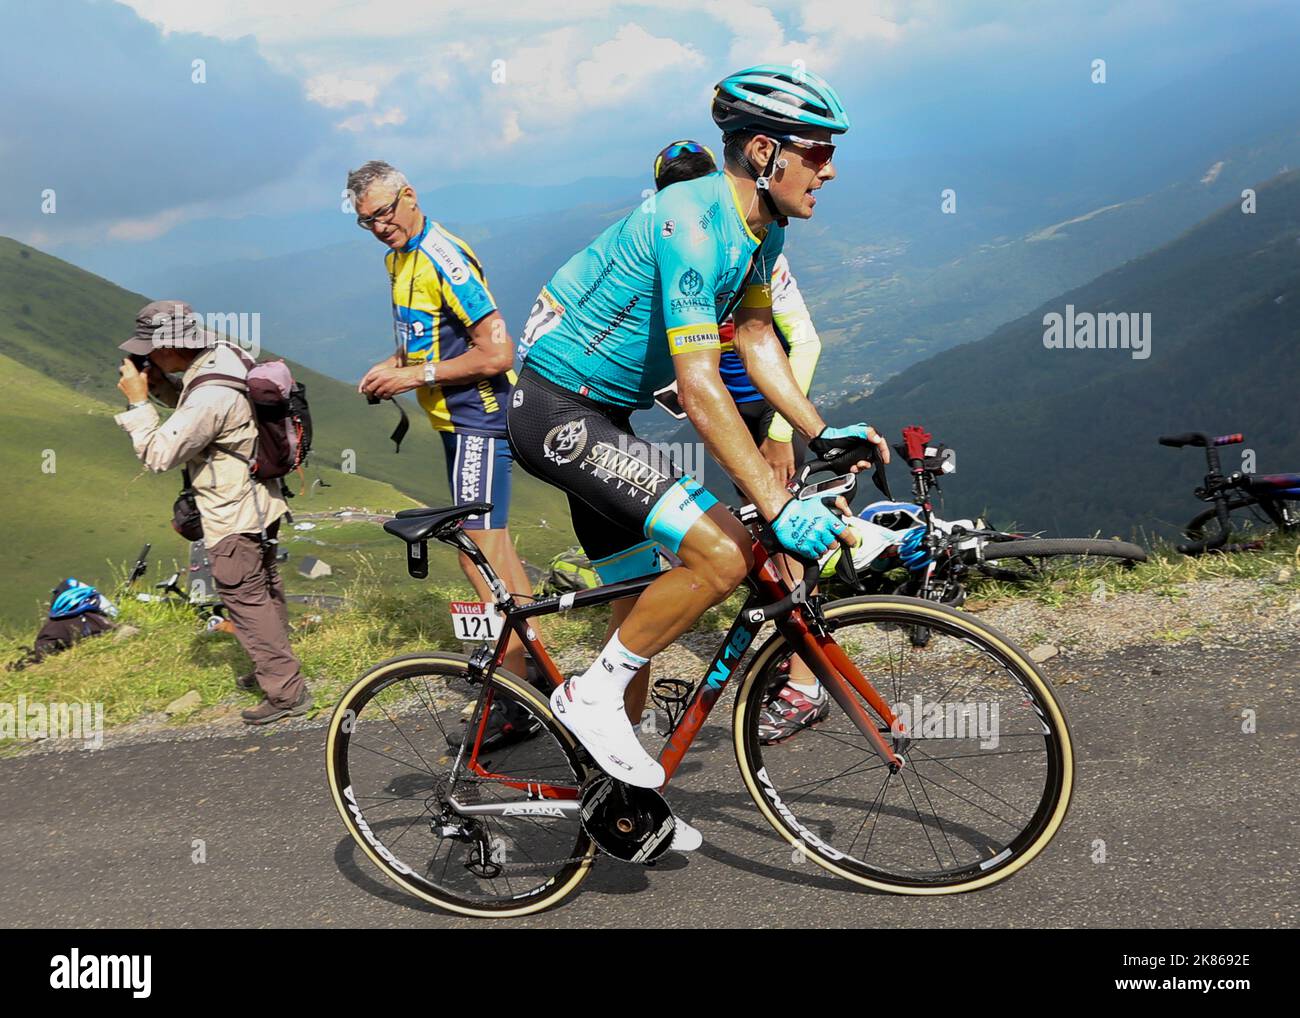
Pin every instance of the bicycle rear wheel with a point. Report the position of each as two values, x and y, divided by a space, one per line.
990 764
496 834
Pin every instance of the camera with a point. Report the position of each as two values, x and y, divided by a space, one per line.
140 360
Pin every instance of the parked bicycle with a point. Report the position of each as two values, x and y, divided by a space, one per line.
901 789
1245 506
940 554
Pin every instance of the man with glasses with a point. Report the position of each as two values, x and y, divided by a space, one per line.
636 308
453 348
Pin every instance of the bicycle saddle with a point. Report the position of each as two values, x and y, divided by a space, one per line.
415 525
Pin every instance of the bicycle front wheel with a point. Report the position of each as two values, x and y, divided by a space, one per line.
989 762
1248 521
483 833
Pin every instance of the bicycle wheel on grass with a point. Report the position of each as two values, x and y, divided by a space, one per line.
390 760
1247 519
990 765
1030 558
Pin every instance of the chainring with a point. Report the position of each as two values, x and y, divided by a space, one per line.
628 823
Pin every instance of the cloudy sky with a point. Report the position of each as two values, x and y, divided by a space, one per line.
103 107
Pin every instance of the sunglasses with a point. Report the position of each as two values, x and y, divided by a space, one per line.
817 153
679 148
368 222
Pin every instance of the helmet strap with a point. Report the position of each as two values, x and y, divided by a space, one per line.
763 180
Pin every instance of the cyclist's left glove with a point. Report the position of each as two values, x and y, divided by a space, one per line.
837 438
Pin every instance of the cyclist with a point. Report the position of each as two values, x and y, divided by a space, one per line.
452 348
801 702
640 305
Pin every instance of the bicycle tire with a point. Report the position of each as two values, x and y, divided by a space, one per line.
1057 547
1253 527
762 675
343 728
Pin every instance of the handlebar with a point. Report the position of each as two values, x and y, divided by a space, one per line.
1200 440
798 594
838 458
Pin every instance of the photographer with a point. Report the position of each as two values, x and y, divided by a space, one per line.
213 434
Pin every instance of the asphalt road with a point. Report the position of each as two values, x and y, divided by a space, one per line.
1198 819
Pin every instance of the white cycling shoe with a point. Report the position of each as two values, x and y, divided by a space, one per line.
685 837
604 730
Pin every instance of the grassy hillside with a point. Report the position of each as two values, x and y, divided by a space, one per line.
1064 440
58 330
85 507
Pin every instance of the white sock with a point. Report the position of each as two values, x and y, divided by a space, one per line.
610 673
811 691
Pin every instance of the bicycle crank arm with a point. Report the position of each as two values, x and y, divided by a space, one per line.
526 808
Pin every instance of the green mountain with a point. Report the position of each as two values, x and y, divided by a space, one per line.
76 499
1063 440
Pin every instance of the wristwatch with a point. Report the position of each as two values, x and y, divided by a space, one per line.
137 406
430 372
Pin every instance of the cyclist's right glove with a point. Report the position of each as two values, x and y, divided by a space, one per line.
806 527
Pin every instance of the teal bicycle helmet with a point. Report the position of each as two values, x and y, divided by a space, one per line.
779 99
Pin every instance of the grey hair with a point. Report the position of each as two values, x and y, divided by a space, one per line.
375 174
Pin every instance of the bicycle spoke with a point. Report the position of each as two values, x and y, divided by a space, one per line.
407 801
956 693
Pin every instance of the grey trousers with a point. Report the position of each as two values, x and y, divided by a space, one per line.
249 585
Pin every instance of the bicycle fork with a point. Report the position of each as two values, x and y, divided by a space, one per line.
841 677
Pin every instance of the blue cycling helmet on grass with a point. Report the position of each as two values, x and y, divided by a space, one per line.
73 598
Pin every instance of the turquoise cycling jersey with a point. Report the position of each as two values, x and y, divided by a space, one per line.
654 284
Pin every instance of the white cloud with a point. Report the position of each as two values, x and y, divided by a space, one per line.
510 132
148 227
392 117
335 90
851 22
563 73
831 32
631 59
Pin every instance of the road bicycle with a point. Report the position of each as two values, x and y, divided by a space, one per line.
1247 506
905 788
955 550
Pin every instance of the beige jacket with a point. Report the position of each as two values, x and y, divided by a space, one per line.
229 500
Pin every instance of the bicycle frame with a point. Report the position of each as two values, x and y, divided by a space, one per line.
1268 491
803 627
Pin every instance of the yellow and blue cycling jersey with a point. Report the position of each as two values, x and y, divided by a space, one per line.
653 285
439 292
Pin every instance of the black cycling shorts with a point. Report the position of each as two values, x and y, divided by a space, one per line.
627 497
757 415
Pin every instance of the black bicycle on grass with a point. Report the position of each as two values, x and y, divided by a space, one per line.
902 789
1246 507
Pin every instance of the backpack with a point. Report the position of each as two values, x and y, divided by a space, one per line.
569 571
281 412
